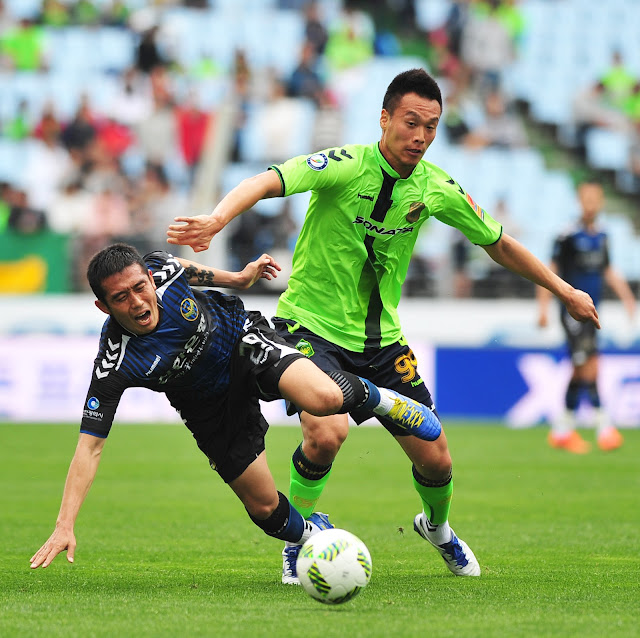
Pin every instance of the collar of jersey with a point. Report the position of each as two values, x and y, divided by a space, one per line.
386 167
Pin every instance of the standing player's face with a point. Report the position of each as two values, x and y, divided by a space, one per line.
130 298
408 132
591 198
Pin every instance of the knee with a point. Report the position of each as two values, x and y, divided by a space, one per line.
326 439
327 399
436 466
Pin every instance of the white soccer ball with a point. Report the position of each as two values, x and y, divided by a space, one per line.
334 566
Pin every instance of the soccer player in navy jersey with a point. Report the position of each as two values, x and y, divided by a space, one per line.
581 257
214 360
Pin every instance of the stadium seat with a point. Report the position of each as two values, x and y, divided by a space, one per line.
606 149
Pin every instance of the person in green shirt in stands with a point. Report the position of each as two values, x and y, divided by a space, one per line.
367 206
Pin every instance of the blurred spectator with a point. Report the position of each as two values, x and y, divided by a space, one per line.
23 217
315 30
18 128
54 14
591 108
487 47
455 25
328 125
618 82
86 13
148 55
500 129
462 283
241 88
81 130
22 46
454 120
48 127
351 39
154 205
442 60
5 209
70 207
133 101
305 80
192 125
117 14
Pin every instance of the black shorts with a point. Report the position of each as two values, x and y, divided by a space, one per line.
394 367
582 338
230 428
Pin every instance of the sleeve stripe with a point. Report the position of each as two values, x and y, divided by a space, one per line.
277 170
99 436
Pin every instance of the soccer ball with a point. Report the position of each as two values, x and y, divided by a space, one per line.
334 566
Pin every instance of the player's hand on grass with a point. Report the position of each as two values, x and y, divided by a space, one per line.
581 307
196 231
265 267
56 543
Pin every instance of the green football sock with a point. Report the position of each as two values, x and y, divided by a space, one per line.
436 500
303 492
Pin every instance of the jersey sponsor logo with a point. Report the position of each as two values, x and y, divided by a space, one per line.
93 403
156 361
189 309
191 351
479 211
317 161
415 208
305 348
109 360
381 230
367 197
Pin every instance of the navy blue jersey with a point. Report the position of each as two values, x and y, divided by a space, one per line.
582 258
191 347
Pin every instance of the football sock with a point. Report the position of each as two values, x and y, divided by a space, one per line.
307 481
285 523
436 501
572 395
592 394
362 393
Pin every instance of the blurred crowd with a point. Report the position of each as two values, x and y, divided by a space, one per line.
123 170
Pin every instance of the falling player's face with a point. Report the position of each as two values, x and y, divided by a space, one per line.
408 132
130 298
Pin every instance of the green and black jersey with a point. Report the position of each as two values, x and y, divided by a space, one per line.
353 252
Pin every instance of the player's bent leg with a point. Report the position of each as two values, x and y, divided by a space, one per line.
432 480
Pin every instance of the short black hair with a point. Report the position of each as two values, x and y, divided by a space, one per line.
416 81
110 261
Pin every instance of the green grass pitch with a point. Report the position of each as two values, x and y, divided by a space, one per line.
165 548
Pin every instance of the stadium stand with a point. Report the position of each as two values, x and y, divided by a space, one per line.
239 55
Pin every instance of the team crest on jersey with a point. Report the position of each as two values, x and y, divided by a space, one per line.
317 161
305 348
479 211
188 309
415 208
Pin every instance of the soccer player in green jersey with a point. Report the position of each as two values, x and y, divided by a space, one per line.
367 206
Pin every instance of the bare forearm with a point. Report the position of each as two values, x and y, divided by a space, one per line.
82 472
512 255
200 275
246 195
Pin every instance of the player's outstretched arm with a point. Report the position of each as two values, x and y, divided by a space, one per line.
544 300
82 471
265 267
199 230
515 257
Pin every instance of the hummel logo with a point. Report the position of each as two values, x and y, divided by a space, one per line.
368 197
429 525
